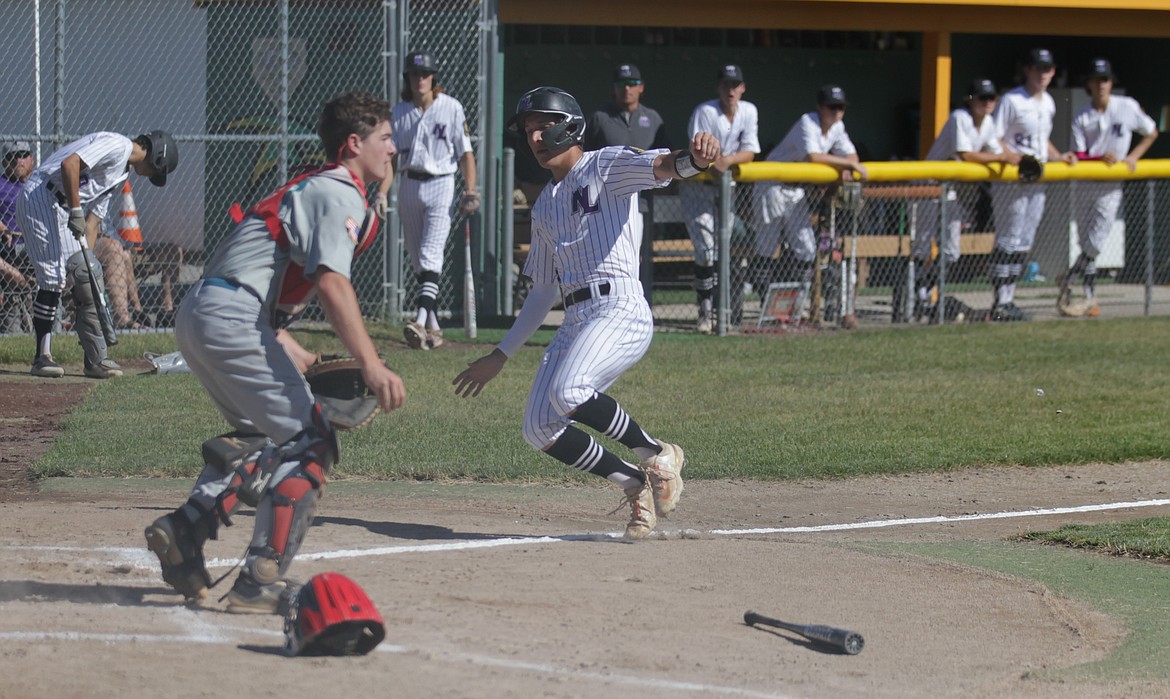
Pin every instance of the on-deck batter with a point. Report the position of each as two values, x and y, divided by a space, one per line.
586 234
430 132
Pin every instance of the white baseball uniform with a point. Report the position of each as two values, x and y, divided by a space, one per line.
958 135
741 133
1024 124
1097 133
586 237
783 208
44 212
429 145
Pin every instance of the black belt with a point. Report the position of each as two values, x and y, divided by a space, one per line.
585 293
61 200
423 176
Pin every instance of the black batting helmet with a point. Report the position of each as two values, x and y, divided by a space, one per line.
570 130
161 153
419 60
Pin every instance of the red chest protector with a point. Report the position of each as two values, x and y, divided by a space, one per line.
295 287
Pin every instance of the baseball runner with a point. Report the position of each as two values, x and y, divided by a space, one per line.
735 123
816 137
1101 131
1024 121
296 244
586 233
969 136
430 132
65 199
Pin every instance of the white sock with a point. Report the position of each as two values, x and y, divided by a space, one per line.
420 317
623 481
432 321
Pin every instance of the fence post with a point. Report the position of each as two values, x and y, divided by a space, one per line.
282 157
944 232
725 223
1149 246
59 77
509 235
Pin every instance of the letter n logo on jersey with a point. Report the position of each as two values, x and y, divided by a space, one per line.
581 201
440 132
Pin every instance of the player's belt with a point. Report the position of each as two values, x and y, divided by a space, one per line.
423 176
61 201
221 283
587 292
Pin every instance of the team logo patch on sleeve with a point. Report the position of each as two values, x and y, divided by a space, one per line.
632 149
352 227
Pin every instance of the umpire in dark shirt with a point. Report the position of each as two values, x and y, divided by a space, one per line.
627 122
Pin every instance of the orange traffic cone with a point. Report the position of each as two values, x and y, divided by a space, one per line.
128 226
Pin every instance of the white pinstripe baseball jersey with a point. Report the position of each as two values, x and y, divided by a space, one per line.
1024 123
586 228
741 133
105 161
430 141
806 136
960 135
1110 131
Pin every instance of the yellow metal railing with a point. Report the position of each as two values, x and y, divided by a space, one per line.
953 171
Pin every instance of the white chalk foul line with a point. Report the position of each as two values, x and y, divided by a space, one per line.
877 524
143 559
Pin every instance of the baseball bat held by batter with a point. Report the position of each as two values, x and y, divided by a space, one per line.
843 640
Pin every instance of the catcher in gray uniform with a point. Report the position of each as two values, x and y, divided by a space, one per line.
297 243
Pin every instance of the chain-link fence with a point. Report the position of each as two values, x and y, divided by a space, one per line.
240 85
917 243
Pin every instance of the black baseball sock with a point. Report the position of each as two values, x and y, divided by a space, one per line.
580 451
602 413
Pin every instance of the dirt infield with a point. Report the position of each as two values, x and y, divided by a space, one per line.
497 591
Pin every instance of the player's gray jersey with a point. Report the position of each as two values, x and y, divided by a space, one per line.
806 136
586 228
321 220
430 141
960 135
105 159
741 133
1111 131
1024 123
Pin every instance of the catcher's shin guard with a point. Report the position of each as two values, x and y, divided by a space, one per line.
249 459
289 503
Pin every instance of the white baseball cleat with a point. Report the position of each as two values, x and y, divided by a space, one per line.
665 474
416 336
642 518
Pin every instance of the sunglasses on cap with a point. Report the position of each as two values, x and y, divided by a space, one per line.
18 154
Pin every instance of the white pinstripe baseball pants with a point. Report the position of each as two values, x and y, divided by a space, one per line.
47 238
600 339
425 210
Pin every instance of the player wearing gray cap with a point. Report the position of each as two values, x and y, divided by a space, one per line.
736 123
1101 131
1024 120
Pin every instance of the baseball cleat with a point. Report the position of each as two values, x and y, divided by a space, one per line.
665 474
1094 309
44 365
642 517
248 596
416 336
105 369
434 338
705 325
180 553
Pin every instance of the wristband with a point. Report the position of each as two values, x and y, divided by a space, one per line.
684 166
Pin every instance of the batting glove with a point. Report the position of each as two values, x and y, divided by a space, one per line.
470 202
381 205
77 222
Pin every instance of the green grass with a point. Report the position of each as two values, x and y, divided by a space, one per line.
1141 538
842 404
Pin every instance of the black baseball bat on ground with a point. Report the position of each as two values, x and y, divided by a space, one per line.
848 642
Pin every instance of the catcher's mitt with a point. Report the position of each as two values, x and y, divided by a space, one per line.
1030 169
338 386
